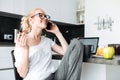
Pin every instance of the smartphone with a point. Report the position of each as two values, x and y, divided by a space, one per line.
49 25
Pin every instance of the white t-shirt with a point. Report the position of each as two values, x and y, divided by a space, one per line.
40 57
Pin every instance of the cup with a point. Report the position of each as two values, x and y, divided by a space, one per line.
116 47
87 52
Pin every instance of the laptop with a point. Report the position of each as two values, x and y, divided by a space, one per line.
91 41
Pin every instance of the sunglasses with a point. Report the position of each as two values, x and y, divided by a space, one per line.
42 16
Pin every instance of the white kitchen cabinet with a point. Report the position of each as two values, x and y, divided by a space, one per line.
93 71
6 64
12 6
113 72
7 74
6 5
18 7
63 10
5 57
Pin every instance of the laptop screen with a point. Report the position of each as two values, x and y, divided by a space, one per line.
90 41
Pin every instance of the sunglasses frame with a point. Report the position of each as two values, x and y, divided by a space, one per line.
41 15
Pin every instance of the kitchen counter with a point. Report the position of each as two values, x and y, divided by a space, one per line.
101 60
97 60
98 68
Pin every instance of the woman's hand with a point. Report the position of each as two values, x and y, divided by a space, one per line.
21 40
53 28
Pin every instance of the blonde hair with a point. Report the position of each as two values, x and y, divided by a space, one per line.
25 25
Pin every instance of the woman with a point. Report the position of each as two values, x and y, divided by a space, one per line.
33 52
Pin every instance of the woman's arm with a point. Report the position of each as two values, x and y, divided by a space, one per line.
23 65
59 49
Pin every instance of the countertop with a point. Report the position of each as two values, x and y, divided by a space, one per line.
101 60
97 60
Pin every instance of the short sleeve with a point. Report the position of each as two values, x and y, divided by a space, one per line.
50 41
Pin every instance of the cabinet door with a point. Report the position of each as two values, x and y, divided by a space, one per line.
92 71
7 74
18 6
12 6
113 72
6 6
5 57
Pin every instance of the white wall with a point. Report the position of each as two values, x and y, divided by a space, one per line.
102 9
